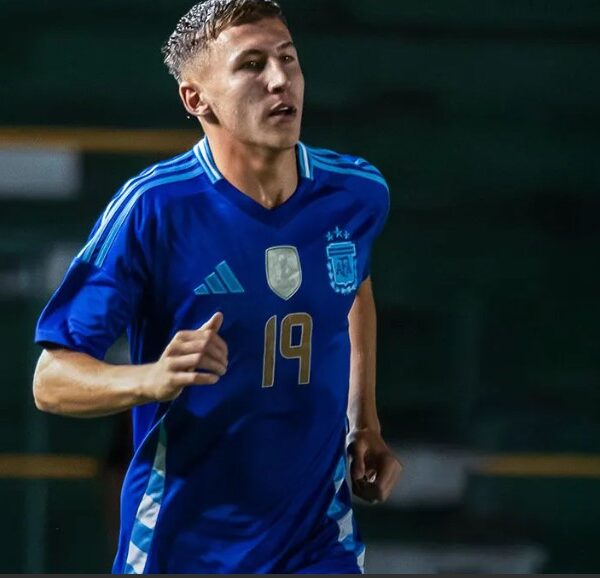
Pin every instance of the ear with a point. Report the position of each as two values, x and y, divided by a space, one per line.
193 99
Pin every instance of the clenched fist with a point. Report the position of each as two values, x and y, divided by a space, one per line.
373 467
188 351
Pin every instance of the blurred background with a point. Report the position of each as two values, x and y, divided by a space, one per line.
485 119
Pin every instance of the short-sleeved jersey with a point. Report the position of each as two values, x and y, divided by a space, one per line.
248 475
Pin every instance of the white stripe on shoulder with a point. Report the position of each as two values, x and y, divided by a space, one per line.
304 160
181 162
202 152
334 158
132 199
355 170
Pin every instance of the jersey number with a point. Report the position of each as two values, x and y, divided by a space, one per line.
301 351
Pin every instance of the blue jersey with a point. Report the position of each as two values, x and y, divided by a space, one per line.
248 475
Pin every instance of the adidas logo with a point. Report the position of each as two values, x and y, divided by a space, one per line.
221 282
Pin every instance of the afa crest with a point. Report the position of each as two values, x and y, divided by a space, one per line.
341 262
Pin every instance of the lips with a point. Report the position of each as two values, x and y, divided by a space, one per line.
283 109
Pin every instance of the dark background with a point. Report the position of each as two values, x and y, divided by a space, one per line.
485 119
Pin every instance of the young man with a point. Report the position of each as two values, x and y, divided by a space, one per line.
240 271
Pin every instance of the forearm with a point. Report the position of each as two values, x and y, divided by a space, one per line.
362 406
78 385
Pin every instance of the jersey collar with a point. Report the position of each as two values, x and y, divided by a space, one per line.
207 161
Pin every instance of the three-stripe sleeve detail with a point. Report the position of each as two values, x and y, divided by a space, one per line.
110 238
98 247
181 163
329 161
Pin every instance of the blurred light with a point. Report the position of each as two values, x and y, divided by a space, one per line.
36 173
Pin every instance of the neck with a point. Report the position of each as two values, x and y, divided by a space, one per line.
268 176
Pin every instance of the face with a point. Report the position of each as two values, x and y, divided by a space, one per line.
251 85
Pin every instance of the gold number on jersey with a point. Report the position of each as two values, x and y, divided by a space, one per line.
302 351
269 352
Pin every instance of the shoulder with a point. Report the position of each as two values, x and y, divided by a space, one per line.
140 201
157 185
358 175
163 180
332 162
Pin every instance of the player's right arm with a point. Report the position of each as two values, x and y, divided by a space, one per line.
75 384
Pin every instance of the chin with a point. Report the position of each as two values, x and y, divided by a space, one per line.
282 141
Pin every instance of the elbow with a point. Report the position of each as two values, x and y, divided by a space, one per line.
44 394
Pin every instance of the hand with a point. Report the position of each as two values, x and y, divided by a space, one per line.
188 351
374 470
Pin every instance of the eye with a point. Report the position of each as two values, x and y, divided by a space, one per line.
287 58
252 65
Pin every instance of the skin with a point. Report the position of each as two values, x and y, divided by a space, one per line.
77 385
374 469
231 88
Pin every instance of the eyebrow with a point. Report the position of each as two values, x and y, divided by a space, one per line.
284 45
254 51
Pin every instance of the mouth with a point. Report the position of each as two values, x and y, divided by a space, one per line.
283 110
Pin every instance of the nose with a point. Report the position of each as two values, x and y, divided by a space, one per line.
278 79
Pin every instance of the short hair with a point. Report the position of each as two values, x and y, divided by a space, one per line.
205 21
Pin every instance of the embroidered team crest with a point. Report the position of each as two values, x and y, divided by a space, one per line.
284 272
341 264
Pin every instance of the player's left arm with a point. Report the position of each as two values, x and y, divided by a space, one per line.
373 467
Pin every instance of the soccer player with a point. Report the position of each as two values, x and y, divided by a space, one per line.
240 271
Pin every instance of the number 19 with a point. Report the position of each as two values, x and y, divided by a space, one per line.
301 351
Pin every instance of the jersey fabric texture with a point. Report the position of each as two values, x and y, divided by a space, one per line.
248 475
